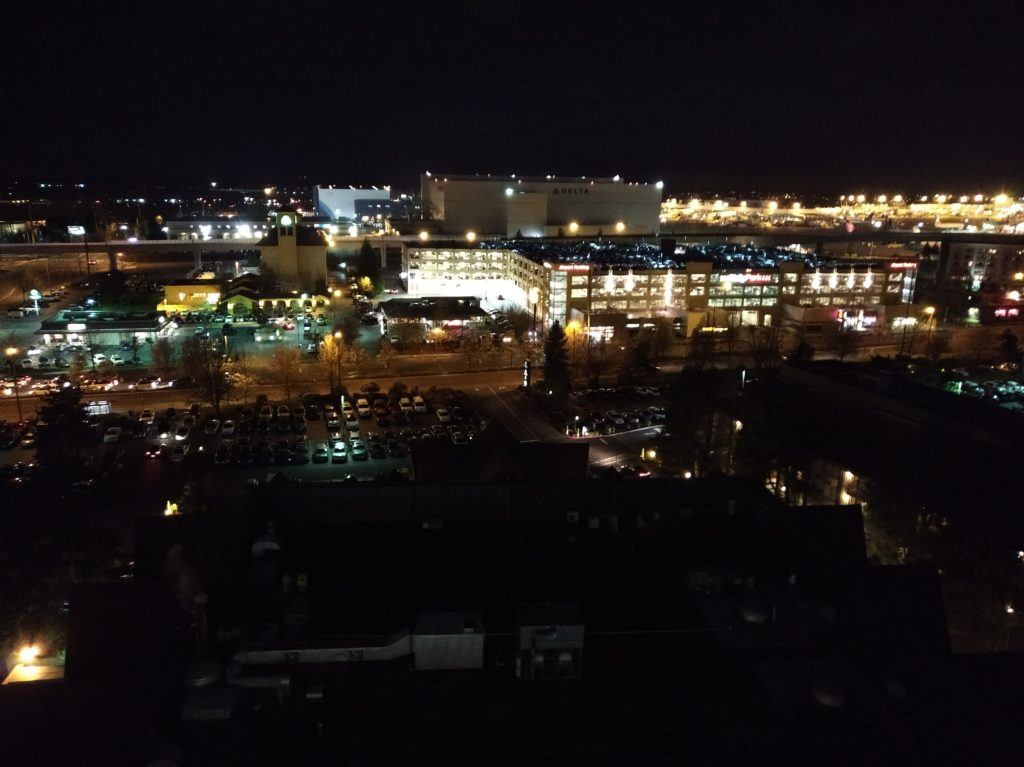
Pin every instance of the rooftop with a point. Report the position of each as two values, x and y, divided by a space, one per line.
442 308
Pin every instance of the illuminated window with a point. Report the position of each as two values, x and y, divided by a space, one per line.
579 293
791 276
697 291
789 290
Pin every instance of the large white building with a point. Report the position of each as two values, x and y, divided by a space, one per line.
541 207
350 204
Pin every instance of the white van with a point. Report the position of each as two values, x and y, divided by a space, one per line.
418 405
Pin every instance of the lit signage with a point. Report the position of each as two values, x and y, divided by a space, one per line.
1007 311
747 277
903 265
570 190
76 327
574 267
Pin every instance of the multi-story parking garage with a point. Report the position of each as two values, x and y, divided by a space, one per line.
612 287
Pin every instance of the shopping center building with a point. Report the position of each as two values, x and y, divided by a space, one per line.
540 207
615 289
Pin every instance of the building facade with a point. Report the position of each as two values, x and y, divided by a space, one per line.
296 254
351 204
541 207
860 295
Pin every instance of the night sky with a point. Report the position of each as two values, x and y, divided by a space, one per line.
770 95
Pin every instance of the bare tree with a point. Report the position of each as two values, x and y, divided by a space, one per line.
106 369
842 342
241 377
162 355
330 360
521 321
764 345
937 345
386 353
974 344
286 362
206 363
702 347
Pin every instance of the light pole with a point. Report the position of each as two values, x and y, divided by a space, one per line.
334 307
337 359
10 351
534 297
930 311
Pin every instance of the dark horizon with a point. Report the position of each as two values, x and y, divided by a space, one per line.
801 99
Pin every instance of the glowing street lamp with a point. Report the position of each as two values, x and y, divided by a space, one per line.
28 654
620 227
470 236
573 227
424 235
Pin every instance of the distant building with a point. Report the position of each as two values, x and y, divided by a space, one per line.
296 254
351 204
608 291
216 229
540 207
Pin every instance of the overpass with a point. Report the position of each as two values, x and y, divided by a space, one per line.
114 248
802 235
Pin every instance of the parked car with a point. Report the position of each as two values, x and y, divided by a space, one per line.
178 452
363 408
156 451
212 426
405 405
443 416
339 453
228 428
418 404
112 434
222 455
321 454
358 450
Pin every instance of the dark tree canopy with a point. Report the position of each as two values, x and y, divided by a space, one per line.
368 265
63 433
556 359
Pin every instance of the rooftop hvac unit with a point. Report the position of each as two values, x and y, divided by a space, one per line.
550 641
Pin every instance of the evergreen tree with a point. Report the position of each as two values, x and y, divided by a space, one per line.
556 360
368 265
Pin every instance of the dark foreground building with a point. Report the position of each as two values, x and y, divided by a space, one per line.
514 622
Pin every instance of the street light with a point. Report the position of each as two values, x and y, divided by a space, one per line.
10 351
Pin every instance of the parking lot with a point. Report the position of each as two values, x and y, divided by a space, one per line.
366 438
